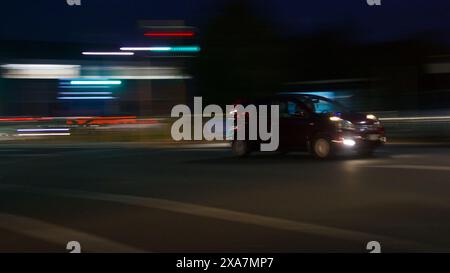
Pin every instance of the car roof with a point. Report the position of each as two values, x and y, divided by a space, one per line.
286 95
302 95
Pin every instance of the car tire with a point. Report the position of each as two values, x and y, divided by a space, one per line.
322 148
240 148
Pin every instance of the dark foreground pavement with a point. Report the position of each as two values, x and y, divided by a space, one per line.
117 198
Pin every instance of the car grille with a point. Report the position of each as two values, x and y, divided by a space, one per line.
366 128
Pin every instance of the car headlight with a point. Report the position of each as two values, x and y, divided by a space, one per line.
343 124
372 117
346 125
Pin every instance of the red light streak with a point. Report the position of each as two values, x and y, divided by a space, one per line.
169 34
24 119
100 120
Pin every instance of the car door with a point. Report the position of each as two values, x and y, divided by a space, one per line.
295 123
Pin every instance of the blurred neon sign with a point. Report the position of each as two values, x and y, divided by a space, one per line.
73 2
374 2
164 49
89 82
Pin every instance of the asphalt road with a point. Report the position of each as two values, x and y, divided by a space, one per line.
138 198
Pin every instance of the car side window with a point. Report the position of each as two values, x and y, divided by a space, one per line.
291 108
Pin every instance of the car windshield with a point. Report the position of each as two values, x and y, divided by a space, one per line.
322 105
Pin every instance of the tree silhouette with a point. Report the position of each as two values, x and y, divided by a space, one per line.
240 57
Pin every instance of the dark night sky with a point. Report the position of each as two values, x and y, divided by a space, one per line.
115 20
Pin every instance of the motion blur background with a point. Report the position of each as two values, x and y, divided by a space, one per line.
113 70
86 155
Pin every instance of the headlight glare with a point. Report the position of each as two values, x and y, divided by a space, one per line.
371 117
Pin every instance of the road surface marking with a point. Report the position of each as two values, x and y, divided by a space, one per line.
60 235
221 214
412 167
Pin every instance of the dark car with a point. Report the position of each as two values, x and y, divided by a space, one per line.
319 125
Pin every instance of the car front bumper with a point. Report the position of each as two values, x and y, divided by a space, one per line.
355 141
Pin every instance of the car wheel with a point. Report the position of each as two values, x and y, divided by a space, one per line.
322 148
240 148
